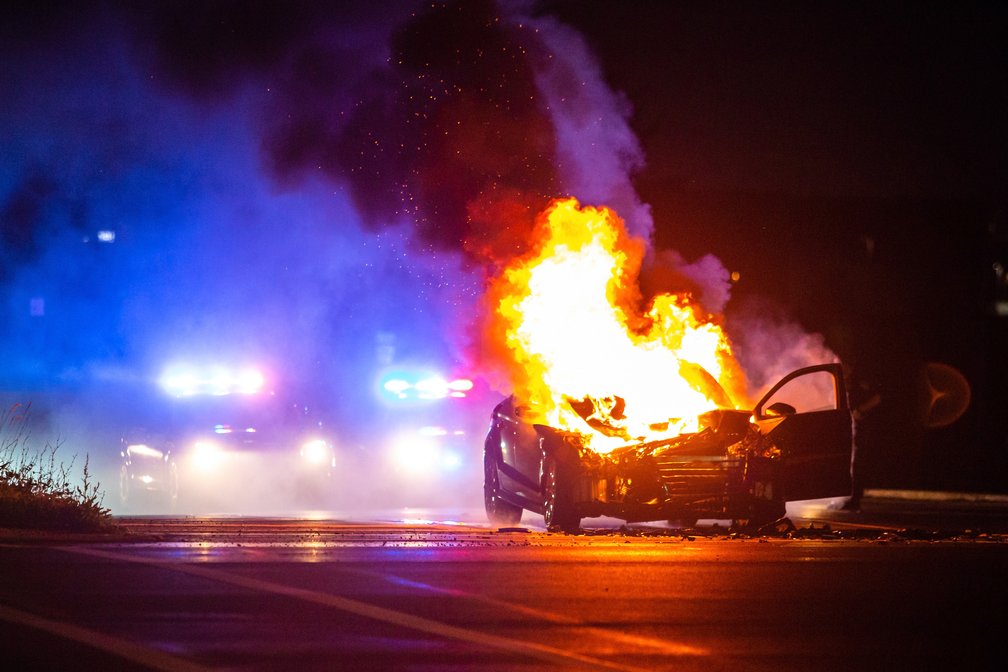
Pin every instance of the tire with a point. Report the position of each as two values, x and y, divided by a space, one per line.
558 504
498 511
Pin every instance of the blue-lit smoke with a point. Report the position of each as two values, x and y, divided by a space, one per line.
214 259
317 190
211 257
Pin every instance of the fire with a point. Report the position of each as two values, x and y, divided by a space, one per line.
585 354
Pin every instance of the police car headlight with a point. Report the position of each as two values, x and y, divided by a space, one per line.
206 455
316 452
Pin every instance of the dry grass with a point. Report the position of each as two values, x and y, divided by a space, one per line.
35 488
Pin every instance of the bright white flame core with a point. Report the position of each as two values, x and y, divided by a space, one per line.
572 323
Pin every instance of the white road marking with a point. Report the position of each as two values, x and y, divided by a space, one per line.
152 658
663 646
401 619
660 645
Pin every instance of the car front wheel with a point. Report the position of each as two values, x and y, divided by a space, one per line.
559 511
498 511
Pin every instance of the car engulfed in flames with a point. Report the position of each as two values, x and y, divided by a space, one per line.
625 405
741 465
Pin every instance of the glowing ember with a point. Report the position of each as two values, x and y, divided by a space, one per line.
584 353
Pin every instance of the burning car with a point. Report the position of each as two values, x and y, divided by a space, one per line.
632 403
740 464
220 436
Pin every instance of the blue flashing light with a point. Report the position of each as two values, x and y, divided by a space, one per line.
423 385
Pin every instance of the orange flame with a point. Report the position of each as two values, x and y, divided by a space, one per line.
582 351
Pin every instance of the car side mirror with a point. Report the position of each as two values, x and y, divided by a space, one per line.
780 409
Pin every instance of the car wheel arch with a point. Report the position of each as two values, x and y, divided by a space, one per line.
557 468
499 511
560 513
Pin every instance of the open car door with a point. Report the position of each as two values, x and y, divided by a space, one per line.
807 418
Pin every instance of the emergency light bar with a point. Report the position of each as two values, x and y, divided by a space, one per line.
183 381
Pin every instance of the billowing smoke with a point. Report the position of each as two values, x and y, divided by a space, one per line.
771 344
597 153
446 132
299 184
598 156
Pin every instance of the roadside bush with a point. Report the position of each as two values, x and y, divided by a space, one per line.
35 488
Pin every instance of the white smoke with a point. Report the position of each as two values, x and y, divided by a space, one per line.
769 344
711 277
597 151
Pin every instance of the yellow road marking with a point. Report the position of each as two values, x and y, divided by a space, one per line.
663 646
666 647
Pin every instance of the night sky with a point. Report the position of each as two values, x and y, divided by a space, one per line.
849 161
298 181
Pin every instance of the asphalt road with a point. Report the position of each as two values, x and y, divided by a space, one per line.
289 594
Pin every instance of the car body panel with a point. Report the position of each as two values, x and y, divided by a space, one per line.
520 453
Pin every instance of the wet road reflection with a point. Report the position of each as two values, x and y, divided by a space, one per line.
307 594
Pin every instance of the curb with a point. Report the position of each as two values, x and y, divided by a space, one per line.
937 496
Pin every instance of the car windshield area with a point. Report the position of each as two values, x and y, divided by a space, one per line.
153 417
809 393
260 413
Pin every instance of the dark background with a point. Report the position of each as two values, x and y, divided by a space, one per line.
849 161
